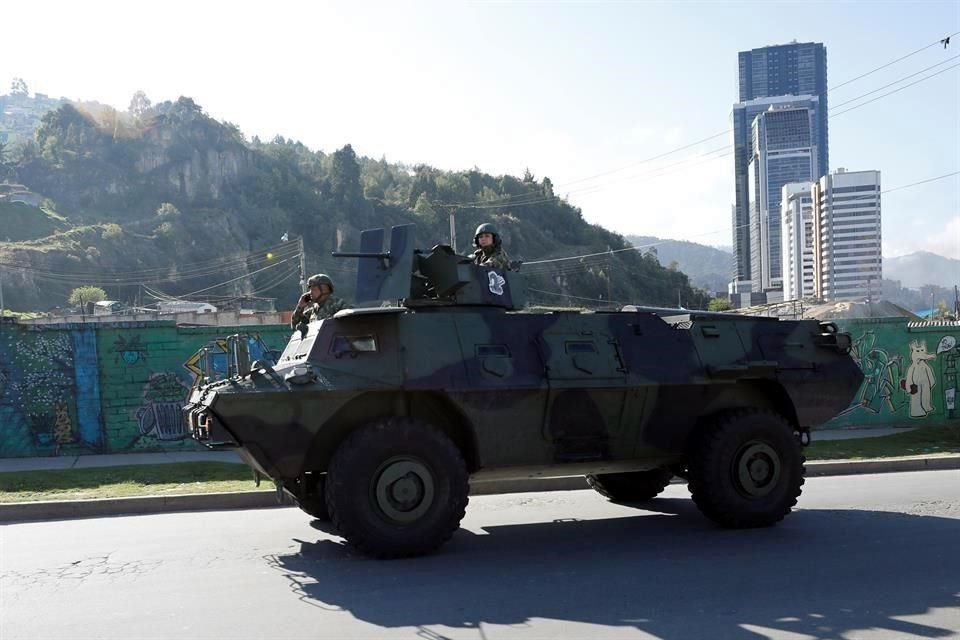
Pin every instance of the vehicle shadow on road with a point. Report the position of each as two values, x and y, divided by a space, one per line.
667 572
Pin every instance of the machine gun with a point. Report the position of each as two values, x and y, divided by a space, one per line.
439 277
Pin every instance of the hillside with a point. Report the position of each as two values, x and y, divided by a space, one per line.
166 201
708 267
20 115
923 268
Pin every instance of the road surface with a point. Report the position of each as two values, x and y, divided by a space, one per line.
864 557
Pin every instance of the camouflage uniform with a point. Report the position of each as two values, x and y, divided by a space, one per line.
317 309
497 258
493 255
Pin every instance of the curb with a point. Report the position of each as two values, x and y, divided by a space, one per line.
71 509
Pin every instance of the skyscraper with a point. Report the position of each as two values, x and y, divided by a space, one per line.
793 69
782 151
796 228
847 262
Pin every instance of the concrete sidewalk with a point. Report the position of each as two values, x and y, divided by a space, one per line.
114 460
124 459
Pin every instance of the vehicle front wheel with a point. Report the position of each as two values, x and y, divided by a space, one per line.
311 499
636 486
397 487
746 469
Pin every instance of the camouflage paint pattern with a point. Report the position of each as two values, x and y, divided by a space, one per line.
520 393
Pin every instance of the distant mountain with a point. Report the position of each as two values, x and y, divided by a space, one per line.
708 267
921 268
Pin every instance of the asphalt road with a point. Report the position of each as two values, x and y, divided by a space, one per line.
865 557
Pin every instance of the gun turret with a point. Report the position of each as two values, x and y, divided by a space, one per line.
438 277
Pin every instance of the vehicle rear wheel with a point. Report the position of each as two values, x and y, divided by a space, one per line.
636 486
397 487
746 469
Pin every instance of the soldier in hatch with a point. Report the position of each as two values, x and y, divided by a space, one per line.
489 251
318 303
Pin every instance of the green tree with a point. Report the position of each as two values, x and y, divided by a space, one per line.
83 295
139 105
720 304
344 188
167 211
19 87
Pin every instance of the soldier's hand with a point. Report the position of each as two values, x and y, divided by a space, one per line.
304 299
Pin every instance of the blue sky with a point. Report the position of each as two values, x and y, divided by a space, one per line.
570 90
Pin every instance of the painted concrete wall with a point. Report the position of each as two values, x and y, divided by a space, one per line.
106 388
115 388
910 371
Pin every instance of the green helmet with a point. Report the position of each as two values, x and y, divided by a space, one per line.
319 279
486 227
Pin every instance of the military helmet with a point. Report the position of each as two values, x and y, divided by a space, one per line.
319 279
486 227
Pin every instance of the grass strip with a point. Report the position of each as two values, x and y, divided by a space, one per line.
922 441
128 481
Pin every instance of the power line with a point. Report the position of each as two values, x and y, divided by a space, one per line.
836 106
132 278
892 62
890 93
736 227
530 199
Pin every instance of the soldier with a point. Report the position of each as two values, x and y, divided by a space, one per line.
489 251
318 303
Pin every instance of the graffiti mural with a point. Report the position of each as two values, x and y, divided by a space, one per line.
129 350
949 354
882 373
920 380
905 381
42 379
162 417
211 362
106 388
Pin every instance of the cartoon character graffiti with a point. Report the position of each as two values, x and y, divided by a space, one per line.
162 417
920 380
63 426
948 368
881 377
130 351
881 372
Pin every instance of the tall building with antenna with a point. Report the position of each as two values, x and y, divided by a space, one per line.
767 76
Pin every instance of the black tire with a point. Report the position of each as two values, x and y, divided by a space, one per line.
315 503
636 486
397 488
311 499
746 469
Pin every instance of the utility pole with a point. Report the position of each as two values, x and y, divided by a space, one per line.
3 312
956 301
453 232
303 266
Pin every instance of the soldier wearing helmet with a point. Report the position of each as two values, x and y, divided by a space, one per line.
489 251
318 303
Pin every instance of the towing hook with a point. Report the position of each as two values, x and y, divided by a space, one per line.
803 436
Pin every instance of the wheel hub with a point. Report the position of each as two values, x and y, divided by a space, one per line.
757 469
404 489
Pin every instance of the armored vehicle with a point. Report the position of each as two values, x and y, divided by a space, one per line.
379 417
